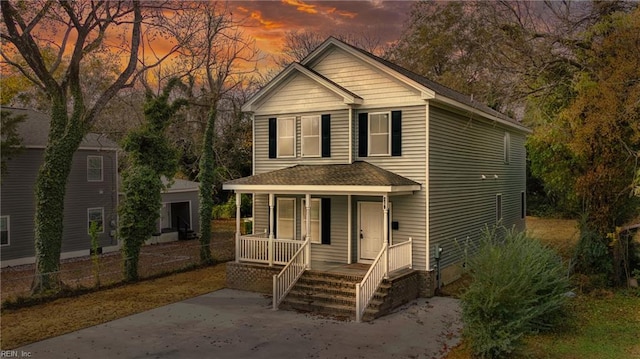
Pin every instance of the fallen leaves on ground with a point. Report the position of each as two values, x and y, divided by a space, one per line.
27 325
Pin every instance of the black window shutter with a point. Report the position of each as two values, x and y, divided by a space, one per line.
363 134
273 137
326 220
326 135
396 133
275 218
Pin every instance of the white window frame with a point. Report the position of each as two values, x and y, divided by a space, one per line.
8 229
306 137
89 168
89 210
314 239
279 219
370 134
499 214
279 141
506 155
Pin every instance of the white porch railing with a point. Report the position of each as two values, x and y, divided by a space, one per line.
400 255
257 249
390 258
288 276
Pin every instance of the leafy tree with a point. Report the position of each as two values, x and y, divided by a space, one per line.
83 27
11 140
150 157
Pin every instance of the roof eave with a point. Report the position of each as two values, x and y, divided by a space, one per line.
458 104
321 189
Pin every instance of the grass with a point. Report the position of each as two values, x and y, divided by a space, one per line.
27 325
605 324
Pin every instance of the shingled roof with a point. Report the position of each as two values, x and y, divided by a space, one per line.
358 176
34 131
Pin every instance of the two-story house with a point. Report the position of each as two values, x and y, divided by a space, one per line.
364 169
91 194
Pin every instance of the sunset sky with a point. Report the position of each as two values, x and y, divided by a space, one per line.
269 20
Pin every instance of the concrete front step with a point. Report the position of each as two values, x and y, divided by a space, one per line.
332 294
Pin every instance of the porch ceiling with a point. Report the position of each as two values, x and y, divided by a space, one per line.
356 178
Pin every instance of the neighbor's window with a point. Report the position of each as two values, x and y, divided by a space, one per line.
379 139
4 230
287 137
315 220
95 215
523 205
286 226
94 168
498 207
507 147
310 136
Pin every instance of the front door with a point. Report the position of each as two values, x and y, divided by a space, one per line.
370 230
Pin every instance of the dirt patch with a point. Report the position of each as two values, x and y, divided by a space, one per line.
28 325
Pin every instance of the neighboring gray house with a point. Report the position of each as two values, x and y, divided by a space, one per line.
179 219
91 193
360 164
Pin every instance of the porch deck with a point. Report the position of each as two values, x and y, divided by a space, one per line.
354 269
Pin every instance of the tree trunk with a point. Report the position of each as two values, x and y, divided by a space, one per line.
64 138
207 183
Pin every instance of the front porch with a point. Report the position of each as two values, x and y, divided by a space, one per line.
337 217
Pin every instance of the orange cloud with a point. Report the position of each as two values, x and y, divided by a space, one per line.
267 24
345 13
301 6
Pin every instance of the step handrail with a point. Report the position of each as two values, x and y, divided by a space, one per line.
370 283
289 275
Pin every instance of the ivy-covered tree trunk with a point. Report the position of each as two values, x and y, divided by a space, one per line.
150 156
65 137
207 185
138 215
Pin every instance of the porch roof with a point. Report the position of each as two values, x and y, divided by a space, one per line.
355 178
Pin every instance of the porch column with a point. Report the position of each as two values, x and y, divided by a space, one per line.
349 229
385 232
271 223
307 200
238 204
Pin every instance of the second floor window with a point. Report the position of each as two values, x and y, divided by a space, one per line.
379 134
506 155
310 136
94 168
286 137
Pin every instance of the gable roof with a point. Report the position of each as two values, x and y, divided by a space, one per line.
179 185
429 90
347 96
357 177
34 131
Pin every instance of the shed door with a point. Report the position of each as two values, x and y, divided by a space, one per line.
370 230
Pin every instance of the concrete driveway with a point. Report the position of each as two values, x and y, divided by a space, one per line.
236 324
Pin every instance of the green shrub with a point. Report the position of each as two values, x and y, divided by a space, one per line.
228 210
518 287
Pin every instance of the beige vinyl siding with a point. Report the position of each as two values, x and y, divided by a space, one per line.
339 142
334 252
408 210
300 93
375 87
461 150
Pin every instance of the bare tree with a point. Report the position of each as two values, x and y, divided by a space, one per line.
75 31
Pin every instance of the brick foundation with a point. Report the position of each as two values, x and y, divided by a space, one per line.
427 283
251 277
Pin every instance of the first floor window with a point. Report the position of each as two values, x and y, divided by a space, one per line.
4 230
94 168
315 220
286 226
287 137
95 215
379 138
523 205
